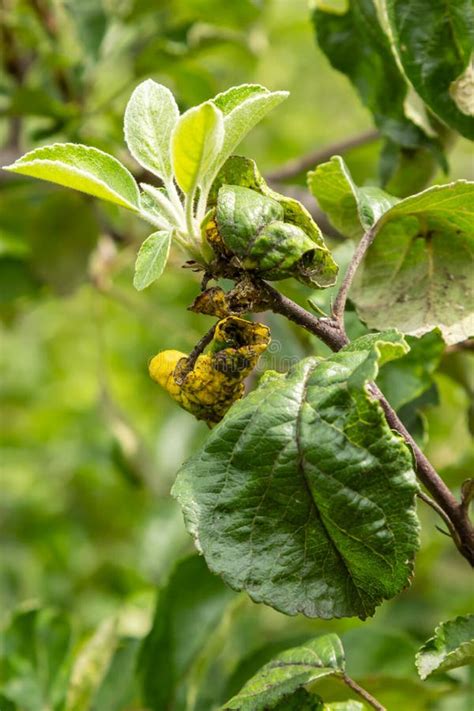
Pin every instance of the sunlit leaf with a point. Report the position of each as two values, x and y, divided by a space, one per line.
151 259
83 168
150 117
196 142
352 210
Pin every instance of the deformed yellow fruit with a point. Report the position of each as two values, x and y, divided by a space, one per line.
216 380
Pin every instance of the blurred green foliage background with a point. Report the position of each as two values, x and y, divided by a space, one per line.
90 445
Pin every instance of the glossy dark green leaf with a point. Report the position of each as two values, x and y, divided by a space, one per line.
434 43
354 42
451 646
417 275
274 685
311 261
187 611
295 499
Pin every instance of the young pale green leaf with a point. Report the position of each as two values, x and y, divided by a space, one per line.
351 210
196 142
417 275
451 646
243 107
150 118
316 440
151 259
288 672
434 44
83 168
187 611
322 269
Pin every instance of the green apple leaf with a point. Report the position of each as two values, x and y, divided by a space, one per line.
321 270
356 45
252 226
243 107
196 142
351 35
417 274
302 495
288 672
451 646
352 210
151 259
83 168
434 43
150 118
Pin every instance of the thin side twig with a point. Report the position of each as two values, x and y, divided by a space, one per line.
363 693
359 254
195 353
320 155
437 508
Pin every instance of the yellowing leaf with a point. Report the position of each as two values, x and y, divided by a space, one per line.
216 380
196 141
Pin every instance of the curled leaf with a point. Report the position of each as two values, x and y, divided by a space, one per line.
216 380
272 234
251 226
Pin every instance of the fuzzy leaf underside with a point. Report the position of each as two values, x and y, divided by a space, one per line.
417 275
150 117
303 496
82 168
451 646
151 259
